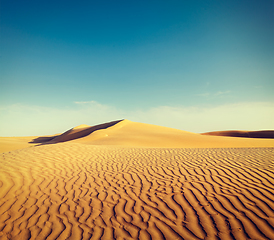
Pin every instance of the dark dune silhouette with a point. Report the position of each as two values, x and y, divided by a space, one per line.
74 133
244 134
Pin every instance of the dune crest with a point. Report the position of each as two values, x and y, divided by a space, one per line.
81 126
78 132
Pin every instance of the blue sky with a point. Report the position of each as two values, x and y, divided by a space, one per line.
131 57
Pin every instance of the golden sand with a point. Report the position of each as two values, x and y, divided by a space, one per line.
126 181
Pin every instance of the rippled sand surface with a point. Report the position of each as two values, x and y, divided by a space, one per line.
78 191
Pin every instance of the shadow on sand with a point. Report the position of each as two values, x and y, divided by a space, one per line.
72 134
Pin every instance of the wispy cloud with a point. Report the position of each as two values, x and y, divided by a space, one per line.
220 93
87 102
22 120
203 94
93 105
215 94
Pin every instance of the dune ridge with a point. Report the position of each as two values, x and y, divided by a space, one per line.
77 191
75 133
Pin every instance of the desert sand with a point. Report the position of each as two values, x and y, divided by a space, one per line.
127 180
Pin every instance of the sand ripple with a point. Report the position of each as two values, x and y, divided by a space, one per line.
74 191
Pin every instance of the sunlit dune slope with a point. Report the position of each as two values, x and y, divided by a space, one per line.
127 133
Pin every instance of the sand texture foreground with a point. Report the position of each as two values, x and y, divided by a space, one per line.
78 191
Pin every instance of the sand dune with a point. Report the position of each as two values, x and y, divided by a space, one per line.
105 185
15 143
133 134
74 133
245 134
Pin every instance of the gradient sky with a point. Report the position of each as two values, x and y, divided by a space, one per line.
98 60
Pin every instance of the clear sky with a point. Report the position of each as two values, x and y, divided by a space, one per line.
189 64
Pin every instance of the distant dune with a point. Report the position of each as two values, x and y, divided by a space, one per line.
128 180
244 134
133 134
